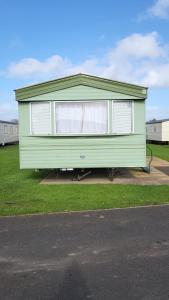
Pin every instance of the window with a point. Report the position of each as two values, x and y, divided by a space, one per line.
81 117
11 129
40 118
5 129
122 117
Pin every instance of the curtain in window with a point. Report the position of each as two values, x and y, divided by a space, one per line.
68 117
95 117
81 117
122 117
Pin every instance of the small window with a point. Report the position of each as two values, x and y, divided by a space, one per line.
5 129
40 118
122 117
81 117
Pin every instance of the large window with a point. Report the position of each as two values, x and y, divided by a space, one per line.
40 118
122 117
81 117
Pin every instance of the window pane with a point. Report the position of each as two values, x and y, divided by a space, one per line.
69 117
122 117
95 117
40 118
5 129
81 117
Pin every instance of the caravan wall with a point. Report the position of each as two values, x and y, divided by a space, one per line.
8 133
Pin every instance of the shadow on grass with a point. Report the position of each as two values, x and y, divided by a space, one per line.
35 175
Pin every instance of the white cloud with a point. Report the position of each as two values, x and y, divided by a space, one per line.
139 46
28 67
157 76
138 58
134 59
160 9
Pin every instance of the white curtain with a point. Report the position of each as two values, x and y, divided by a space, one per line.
95 117
81 117
122 117
68 117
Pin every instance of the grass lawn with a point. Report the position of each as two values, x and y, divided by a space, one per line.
21 193
161 151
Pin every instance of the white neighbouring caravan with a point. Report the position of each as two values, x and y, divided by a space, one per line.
8 132
158 130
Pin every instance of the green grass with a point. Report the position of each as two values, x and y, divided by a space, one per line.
161 151
21 193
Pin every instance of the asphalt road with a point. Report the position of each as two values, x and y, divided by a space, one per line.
115 254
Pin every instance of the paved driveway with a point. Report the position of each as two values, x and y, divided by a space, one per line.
115 254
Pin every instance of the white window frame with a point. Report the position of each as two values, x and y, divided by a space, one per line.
132 120
82 101
30 117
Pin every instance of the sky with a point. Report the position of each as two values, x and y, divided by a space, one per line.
121 40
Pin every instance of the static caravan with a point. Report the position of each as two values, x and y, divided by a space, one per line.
158 130
8 132
82 121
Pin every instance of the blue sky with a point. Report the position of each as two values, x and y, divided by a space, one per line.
122 40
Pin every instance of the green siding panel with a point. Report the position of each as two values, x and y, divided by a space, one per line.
115 151
24 119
